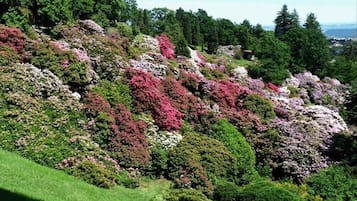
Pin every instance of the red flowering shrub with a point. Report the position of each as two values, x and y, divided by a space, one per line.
190 80
95 104
202 60
129 143
228 94
145 89
273 87
181 99
13 38
121 134
166 46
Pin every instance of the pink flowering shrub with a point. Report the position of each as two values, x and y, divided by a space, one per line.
120 134
166 47
145 89
190 80
228 94
181 99
202 60
273 87
13 38
129 142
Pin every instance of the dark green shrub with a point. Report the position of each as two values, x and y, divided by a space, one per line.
345 148
114 92
94 173
238 146
266 191
197 156
17 17
270 71
125 180
334 183
159 160
185 195
102 133
8 56
63 64
261 106
225 191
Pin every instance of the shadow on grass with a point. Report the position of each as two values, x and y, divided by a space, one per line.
6 195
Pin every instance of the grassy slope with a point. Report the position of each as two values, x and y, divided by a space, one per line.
24 177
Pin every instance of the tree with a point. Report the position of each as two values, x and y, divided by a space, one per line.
312 23
316 51
285 21
226 32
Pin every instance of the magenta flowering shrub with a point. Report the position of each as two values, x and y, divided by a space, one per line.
273 87
13 38
126 137
129 142
185 102
228 95
145 89
190 80
166 47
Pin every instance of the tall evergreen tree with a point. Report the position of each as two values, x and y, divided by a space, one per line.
285 21
312 23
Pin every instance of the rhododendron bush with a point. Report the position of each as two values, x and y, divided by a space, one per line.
145 89
13 38
166 46
124 137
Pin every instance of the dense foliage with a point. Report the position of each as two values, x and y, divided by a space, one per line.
111 92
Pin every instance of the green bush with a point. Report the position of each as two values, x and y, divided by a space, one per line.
17 17
261 106
102 132
270 71
225 191
185 195
116 92
159 160
125 180
238 146
94 173
8 56
63 64
266 191
334 183
197 156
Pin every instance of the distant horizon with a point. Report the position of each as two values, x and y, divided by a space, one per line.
328 12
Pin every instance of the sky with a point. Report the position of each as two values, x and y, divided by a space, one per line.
264 11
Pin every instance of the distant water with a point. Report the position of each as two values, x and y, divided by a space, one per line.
341 33
333 30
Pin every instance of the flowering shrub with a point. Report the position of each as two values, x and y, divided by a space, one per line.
13 38
123 136
273 87
190 80
166 46
185 102
228 94
129 142
145 89
305 139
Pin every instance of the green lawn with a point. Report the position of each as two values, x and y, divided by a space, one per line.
21 179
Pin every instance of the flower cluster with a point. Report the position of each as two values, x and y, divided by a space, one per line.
166 47
13 38
145 89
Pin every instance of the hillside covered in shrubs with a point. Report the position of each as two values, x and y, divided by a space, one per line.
113 94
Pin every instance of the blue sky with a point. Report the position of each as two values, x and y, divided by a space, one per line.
264 11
